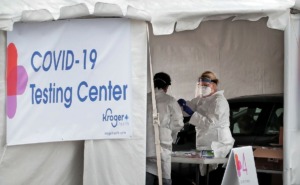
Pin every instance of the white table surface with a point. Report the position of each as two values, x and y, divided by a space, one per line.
198 160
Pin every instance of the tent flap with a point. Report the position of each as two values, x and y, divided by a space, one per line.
163 14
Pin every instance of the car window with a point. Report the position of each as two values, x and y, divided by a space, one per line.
249 118
275 121
243 119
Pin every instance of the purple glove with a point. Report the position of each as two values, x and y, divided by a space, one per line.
188 110
181 102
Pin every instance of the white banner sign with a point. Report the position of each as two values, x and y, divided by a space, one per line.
69 80
240 169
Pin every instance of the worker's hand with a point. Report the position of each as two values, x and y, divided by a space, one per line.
181 102
188 110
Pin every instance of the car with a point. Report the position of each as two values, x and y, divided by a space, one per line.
255 120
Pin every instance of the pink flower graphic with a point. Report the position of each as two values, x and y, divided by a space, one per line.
238 164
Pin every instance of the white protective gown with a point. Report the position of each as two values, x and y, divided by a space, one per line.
211 120
171 122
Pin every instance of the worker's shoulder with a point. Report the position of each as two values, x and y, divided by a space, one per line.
167 98
170 97
219 96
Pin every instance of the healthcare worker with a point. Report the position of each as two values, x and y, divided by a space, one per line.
209 112
171 122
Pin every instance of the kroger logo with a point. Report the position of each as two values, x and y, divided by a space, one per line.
16 77
115 119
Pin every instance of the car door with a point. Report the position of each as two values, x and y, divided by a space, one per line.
248 122
270 135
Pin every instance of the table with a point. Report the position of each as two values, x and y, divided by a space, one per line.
198 160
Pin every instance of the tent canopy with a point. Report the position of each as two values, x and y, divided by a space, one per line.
164 15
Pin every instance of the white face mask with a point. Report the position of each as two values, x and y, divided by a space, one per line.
206 90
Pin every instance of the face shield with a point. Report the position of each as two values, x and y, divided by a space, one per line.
203 87
198 90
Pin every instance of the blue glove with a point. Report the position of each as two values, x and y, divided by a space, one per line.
188 110
181 102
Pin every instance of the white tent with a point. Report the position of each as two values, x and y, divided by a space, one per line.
228 37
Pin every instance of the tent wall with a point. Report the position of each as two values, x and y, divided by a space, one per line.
122 162
246 56
2 91
292 99
113 162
